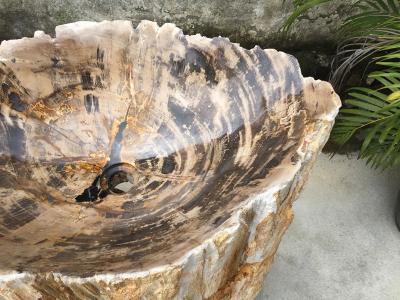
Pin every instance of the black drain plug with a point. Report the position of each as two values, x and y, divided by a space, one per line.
116 179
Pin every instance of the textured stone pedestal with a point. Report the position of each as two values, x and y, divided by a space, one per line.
216 143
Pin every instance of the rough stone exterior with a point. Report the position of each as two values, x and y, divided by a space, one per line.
222 268
170 244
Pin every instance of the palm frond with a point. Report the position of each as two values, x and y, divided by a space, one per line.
364 42
373 27
375 115
371 35
301 7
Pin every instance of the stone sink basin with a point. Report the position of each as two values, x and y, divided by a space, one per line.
137 162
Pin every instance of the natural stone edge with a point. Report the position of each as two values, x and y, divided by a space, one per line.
239 277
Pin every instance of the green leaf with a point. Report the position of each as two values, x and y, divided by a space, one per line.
384 74
368 91
391 124
390 87
363 105
359 112
390 56
389 64
371 134
382 4
393 96
300 10
369 99
395 142
394 104
393 6
391 46
371 35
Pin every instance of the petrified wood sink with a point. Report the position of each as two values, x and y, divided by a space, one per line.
146 163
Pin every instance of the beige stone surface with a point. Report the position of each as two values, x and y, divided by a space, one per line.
196 256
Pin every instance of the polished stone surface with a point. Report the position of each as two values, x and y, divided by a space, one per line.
124 149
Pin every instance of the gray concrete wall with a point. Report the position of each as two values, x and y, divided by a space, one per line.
249 22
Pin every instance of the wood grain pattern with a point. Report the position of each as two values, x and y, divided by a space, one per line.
208 126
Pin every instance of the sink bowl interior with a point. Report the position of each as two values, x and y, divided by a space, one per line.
202 125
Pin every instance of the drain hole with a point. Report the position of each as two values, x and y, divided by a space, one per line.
120 182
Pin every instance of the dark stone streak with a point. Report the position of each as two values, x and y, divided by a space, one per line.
5 87
168 165
155 234
183 116
226 167
86 81
15 137
20 213
220 220
16 102
56 182
197 60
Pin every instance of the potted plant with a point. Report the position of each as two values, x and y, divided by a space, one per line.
371 112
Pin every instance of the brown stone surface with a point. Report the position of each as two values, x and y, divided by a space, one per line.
215 140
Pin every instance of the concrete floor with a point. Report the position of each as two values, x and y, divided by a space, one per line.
343 243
